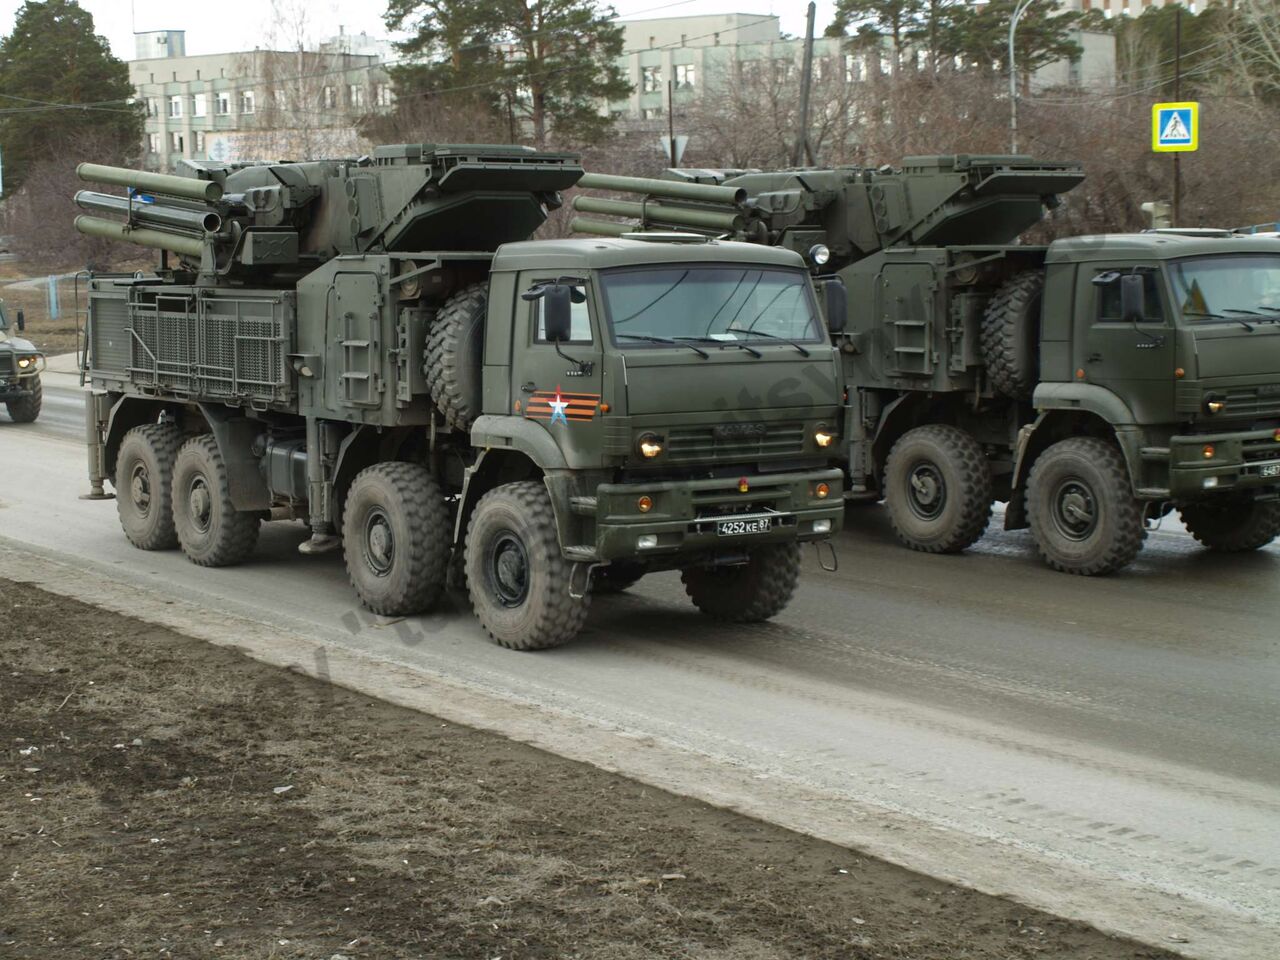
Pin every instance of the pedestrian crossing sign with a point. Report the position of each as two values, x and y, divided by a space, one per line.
1175 127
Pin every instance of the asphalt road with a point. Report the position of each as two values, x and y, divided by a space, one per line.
1106 748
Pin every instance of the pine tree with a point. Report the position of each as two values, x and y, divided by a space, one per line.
60 84
549 63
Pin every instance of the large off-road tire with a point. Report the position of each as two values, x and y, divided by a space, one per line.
211 532
617 576
1011 335
454 355
395 538
748 593
26 409
516 574
1081 508
1233 524
144 485
937 489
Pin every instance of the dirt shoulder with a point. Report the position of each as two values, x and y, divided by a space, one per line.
162 796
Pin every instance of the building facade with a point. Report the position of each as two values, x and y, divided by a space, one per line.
255 104
697 51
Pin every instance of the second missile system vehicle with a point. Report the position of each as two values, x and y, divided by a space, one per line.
20 366
1095 384
372 346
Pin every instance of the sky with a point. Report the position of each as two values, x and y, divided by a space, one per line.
231 25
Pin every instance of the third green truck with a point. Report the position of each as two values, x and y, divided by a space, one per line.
1095 384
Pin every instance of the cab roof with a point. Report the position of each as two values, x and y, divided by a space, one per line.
1156 245
597 253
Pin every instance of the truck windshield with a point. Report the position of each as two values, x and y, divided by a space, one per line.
1236 287
727 304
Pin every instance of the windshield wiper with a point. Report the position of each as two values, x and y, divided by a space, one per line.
1217 316
725 343
681 342
771 336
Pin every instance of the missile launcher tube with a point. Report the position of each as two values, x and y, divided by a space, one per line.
653 211
142 236
151 213
671 189
163 183
601 228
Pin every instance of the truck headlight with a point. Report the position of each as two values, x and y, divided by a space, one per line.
822 526
819 254
647 541
24 362
1215 406
823 437
650 446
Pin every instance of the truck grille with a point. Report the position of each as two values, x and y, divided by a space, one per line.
1250 402
734 441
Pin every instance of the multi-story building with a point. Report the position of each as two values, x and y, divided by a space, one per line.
700 51
257 103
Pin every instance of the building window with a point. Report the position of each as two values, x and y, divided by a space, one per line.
852 68
175 106
199 105
222 104
686 76
175 142
652 113
650 79
153 107
199 141
329 97
246 101
355 96
383 95
153 143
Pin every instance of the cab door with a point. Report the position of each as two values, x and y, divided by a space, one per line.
560 386
1133 360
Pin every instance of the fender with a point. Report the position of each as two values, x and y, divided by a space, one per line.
524 436
1051 399
235 435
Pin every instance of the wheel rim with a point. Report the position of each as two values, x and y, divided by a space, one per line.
926 491
508 564
379 542
140 488
1075 509
200 504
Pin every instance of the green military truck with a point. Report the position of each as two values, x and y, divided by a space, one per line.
20 367
1095 384
371 346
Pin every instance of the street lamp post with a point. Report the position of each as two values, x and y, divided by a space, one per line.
1018 11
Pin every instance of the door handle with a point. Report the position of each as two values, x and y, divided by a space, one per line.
1095 358
528 387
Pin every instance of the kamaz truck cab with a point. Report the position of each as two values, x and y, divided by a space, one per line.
20 367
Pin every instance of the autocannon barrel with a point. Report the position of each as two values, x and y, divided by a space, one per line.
151 213
671 189
163 183
144 237
652 211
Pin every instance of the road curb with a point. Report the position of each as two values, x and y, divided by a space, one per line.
990 865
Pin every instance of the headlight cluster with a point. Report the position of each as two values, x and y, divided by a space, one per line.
649 445
24 362
824 437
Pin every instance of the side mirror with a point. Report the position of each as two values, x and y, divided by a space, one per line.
557 312
1133 305
835 302
22 320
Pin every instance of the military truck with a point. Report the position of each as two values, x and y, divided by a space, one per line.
372 346
20 366
1095 384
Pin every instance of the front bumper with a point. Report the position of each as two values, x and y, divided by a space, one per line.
685 513
15 381
1244 460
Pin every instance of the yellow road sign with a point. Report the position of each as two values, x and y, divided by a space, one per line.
1175 127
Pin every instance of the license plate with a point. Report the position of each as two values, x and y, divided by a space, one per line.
1269 470
738 528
